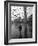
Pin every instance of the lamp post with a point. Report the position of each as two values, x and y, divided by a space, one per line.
20 27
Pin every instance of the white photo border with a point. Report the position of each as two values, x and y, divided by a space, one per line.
17 41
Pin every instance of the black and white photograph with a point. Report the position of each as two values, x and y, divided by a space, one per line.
20 22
